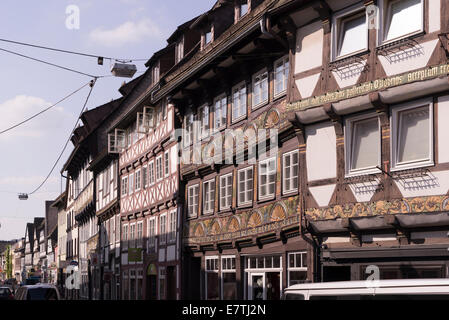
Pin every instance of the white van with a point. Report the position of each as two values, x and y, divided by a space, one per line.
421 289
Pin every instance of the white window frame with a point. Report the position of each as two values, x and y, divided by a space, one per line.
395 131
204 128
217 271
248 201
131 183
221 126
384 19
284 156
179 51
172 226
286 65
159 169
139 234
152 232
166 164
293 269
189 131
124 186
338 21
257 82
145 176
228 270
125 234
226 196
151 174
268 195
132 234
206 199
163 229
238 89
349 143
138 180
195 204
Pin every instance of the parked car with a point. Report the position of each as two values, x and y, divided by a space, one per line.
38 292
6 293
418 289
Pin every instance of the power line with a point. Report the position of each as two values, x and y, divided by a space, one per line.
51 64
92 84
41 112
68 51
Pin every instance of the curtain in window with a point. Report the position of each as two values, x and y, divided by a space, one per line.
353 35
404 17
414 134
365 144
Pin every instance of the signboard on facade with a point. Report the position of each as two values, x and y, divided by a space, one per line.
135 255
371 86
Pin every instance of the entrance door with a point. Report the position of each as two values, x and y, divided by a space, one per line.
151 287
256 286
171 283
273 285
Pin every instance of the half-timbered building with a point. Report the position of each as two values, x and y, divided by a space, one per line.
149 178
369 101
240 215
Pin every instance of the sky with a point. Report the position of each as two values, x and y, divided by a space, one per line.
123 29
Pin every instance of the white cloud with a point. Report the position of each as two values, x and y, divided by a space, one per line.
128 32
21 107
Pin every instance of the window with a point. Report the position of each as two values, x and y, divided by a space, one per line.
260 89
220 113
244 7
212 284
131 183
124 186
204 122
401 18
125 236
350 32
166 164
193 192
138 179
208 36
163 228
161 283
245 186
267 179
297 268
239 102
155 73
132 233
412 135
228 278
209 196
159 174
172 226
145 176
179 51
164 109
139 234
188 130
151 173
290 173
363 143
226 192
151 232
281 68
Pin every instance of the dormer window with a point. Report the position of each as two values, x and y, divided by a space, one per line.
155 73
242 7
207 36
179 51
